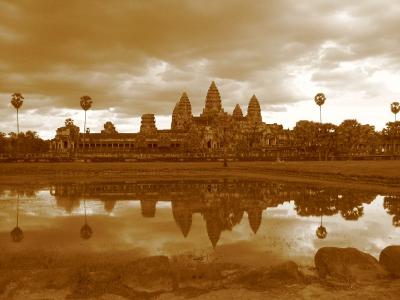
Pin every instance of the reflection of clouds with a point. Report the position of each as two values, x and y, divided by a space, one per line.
281 233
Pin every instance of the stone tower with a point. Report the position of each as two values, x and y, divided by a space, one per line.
213 101
237 112
254 111
182 115
148 125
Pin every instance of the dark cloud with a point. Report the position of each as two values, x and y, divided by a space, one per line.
138 56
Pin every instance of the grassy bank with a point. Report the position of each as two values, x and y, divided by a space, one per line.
375 175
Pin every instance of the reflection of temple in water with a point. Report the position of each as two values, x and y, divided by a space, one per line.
222 204
392 206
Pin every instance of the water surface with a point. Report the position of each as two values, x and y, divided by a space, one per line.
249 222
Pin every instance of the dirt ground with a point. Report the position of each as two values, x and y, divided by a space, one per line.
124 276
380 176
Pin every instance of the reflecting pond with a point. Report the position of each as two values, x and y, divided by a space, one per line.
239 221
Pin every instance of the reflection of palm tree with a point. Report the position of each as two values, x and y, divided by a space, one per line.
320 100
86 230
395 108
321 231
17 234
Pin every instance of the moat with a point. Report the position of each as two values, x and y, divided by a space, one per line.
247 222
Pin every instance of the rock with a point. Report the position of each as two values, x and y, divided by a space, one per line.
390 260
149 274
287 271
262 278
347 264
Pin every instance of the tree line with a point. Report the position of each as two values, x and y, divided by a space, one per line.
24 142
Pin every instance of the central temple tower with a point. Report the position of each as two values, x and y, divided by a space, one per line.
213 102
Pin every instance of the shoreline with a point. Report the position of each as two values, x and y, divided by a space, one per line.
126 275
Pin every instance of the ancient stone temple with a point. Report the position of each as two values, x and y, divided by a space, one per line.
213 134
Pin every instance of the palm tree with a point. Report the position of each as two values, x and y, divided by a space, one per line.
86 104
395 108
16 101
320 100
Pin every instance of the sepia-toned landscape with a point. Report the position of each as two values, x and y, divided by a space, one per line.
199 150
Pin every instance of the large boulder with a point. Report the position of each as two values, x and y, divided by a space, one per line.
390 260
347 264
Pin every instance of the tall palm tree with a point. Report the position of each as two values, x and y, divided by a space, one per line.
16 101
320 100
395 108
86 104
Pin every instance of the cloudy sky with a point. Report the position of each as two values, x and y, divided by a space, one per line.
135 57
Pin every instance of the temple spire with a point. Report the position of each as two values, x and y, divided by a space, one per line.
182 114
254 111
213 101
237 112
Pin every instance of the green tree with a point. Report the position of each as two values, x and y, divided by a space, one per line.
391 133
306 136
354 138
327 138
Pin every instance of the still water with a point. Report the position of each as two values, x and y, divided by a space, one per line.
247 222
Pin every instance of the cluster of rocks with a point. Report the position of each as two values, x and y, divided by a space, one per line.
149 277
351 264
